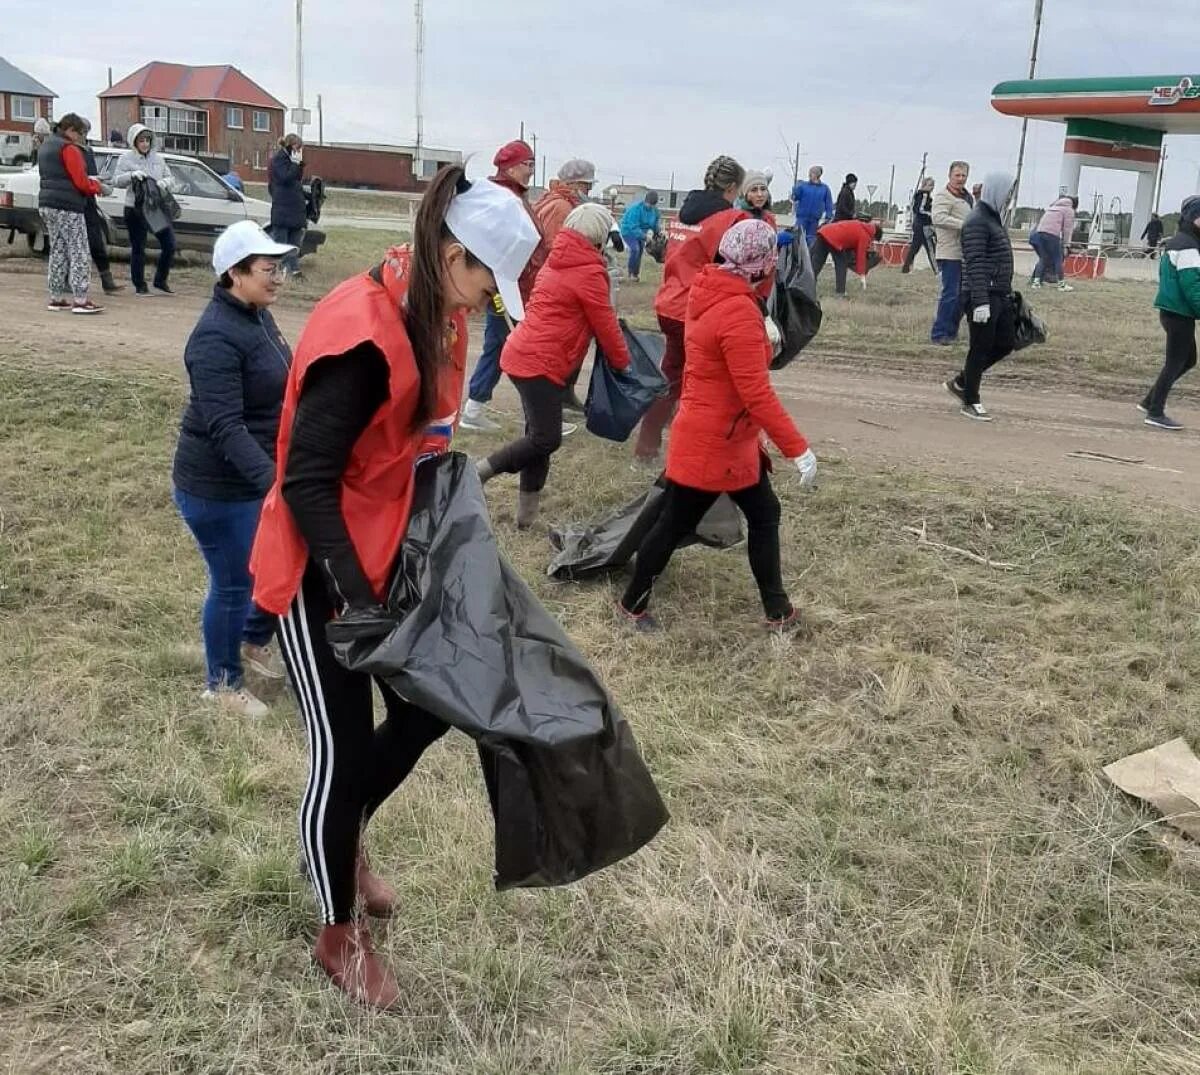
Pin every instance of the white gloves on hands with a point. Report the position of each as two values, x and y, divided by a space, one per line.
807 465
139 174
981 314
105 188
297 156
774 336
863 280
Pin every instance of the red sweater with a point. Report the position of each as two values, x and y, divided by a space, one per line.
571 304
727 398
856 235
76 166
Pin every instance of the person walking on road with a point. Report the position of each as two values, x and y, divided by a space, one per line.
846 207
692 242
64 190
1152 233
571 303
951 205
640 219
1178 304
987 289
141 171
846 240
289 211
1050 240
922 225
812 202
375 386
514 164
237 365
728 404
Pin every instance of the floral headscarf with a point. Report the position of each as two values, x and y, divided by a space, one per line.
748 249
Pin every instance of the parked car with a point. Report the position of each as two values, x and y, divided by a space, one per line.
208 205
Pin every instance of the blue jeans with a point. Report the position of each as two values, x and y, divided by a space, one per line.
290 237
487 369
949 307
809 224
1050 257
635 244
224 530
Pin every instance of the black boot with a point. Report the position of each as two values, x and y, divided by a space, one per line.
111 287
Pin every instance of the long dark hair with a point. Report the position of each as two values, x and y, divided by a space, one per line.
424 316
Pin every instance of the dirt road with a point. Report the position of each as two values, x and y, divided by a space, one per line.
901 417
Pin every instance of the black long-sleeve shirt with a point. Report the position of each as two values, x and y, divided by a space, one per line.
339 398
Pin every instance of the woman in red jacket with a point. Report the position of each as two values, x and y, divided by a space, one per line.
570 304
727 402
374 386
843 239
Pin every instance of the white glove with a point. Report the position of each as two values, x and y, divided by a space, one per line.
982 314
774 336
167 184
139 174
863 280
105 188
807 465
298 157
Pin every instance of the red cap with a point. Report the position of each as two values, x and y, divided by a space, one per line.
517 152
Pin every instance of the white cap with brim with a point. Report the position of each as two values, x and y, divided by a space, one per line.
494 225
242 240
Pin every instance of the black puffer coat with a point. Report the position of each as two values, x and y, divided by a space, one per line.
987 256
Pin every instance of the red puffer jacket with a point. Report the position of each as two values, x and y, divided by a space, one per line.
854 235
570 305
727 396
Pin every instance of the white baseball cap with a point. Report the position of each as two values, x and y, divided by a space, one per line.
245 239
494 225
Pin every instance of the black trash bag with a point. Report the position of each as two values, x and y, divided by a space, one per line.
793 303
617 400
929 242
314 198
608 545
1030 328
468 641
656 247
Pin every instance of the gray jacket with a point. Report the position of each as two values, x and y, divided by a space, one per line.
131 161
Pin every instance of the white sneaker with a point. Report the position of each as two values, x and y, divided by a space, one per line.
976 412
568 428
474 418
1064 286
237 700
264 660
1035 285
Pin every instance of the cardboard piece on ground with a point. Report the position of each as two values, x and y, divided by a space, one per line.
1168 778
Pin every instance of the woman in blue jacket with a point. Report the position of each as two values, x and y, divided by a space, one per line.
237 363
289 211
639 219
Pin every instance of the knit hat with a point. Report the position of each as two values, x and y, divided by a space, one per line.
749 249
515 152
41 126
851 177
1189 212
723 172
592 221
577 171
755 179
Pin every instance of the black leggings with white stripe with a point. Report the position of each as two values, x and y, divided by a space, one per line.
353 765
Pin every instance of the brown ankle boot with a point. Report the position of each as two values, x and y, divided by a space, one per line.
377 895
344 952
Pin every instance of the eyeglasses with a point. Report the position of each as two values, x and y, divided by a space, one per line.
272 272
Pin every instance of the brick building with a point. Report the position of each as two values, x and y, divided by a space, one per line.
212 110
375 167
22 100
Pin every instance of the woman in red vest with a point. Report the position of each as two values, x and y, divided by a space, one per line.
727 403
375 385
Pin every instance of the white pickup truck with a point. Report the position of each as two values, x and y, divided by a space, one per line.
208 205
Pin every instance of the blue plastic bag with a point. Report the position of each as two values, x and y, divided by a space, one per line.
616 401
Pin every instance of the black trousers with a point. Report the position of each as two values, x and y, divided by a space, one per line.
990 342
683 508
821 251
529 455
353 765
138 234
916 246
1181 357
95 234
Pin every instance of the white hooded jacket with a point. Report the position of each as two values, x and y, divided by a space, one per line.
131 162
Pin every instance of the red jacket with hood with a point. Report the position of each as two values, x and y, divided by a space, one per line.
727 398
856 235
692 242
570 305
529 274
553 208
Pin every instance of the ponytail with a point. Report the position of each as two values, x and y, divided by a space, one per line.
425 317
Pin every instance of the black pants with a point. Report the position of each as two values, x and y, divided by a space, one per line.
915 247
95 234
290 237
353 765
138 234
990 342
529 456
683 508
1181 357
821 251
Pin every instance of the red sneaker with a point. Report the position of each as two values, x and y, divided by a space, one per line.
345 953
88 307
56 306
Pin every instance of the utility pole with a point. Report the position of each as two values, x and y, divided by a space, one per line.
796 167
1162 167
533 140
924 162
419 87
1037 36
298 115
522 130
320 121
891 191
543 171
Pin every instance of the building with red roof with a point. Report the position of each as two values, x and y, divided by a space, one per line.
214 110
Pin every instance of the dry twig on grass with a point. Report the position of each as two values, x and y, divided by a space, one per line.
922 537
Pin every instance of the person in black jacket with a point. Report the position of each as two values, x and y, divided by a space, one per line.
922 225
846 206
1153 232
95 227
987 292
289 210
237 362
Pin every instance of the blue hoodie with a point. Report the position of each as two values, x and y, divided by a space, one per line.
640 218
812 200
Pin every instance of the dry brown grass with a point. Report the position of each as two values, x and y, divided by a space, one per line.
891 847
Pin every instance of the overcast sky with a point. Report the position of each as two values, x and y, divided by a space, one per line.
649 90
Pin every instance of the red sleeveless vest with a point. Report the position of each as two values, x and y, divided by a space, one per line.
377 486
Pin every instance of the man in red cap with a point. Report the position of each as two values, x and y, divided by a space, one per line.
515 169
